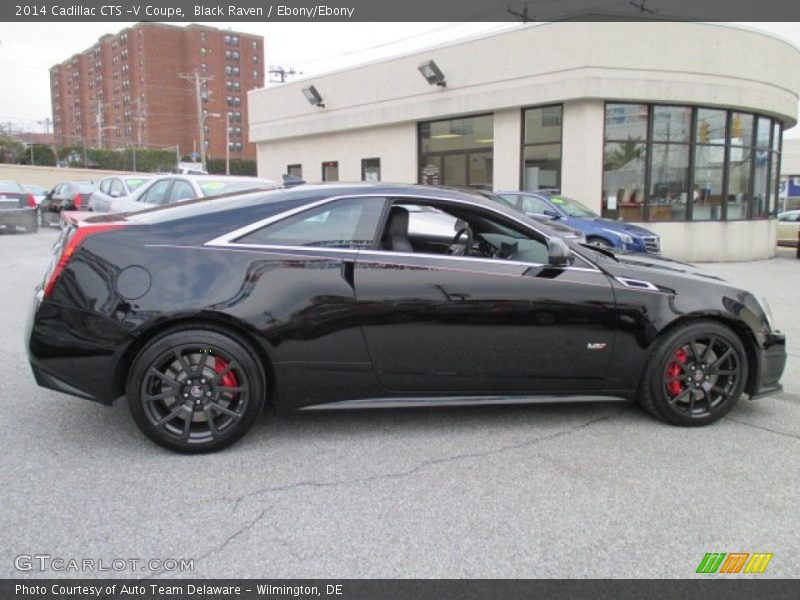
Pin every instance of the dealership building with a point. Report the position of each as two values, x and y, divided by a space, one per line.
675 126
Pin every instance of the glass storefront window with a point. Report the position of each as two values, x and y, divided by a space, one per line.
672 123
708 178
763 132
711 126
457 151
741 129
669 182
541 149
370 169
760 183
624 167
542 125
626 122
541 167
739 194
330 171
726 170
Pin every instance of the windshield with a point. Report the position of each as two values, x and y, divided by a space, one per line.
134 182
573 208
11 187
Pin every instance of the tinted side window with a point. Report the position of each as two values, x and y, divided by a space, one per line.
181 190
116 186
105 187
347 223
157 193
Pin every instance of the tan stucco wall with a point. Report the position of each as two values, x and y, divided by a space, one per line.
49 176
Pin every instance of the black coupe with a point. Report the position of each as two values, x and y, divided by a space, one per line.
324 297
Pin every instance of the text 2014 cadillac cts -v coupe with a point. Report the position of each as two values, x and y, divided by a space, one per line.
327 297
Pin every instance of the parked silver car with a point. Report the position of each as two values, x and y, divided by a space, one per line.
117 186
169 189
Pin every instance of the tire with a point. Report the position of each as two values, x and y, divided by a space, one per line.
195 390
599 242
695 375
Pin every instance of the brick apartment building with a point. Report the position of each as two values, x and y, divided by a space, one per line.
136 81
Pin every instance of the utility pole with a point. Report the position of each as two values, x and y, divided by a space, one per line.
198 91
46 122
139 118
279 73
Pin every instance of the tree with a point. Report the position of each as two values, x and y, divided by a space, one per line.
11 151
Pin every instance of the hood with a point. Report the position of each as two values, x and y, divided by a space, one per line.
628 228
649 267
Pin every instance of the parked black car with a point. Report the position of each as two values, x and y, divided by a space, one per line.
17 208
317 297
68 195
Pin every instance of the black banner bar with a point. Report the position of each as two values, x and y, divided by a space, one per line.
186 11
732 588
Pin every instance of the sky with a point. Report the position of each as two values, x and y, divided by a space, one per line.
28 50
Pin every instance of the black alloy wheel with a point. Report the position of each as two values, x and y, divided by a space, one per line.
195 390
696 374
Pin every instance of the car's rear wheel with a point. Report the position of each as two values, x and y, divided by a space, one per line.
196 390
695 375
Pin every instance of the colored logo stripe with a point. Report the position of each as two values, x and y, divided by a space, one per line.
711 562
758 563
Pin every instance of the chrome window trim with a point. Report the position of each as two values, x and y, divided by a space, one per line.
643 285
227 240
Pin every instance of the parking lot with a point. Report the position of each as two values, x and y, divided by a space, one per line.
594 490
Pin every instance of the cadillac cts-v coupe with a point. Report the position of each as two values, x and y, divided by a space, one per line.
320 297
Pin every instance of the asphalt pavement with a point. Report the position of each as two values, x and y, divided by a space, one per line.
594 490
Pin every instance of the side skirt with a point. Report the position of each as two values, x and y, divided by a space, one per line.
435 401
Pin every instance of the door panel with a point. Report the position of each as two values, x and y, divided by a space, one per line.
446 324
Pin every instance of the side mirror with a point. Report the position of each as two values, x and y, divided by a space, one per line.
552 214
114 194
558 253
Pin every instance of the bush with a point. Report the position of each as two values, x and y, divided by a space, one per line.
216 166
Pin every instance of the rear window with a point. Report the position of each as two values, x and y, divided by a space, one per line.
11 187
84 187
134 182
214 188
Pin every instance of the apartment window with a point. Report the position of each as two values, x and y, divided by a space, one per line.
330 171
541 148
370 169
235 40
227 39
255 74
228 54
255 46
235 55
255 59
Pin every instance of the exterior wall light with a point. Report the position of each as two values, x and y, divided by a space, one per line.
313 96
432 73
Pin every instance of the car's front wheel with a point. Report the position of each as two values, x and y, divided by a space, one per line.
695 375
196 390
600 243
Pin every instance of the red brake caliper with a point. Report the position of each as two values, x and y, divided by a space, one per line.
229 379
674 370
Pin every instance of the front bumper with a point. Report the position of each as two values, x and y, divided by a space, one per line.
771 362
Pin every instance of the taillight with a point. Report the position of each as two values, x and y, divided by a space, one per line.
31 201
77 200
81 233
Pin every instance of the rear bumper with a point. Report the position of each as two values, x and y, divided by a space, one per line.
24 217
771 362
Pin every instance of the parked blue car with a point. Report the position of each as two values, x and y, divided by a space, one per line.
599 231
